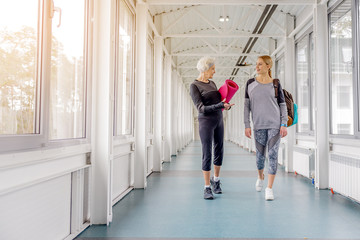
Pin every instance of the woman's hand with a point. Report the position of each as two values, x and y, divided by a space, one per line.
227 105
248 132
283 131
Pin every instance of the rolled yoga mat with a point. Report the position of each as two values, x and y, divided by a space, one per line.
228 90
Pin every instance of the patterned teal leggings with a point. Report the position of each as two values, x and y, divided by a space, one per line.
271 138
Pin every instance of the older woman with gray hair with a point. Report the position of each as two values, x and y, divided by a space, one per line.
207 100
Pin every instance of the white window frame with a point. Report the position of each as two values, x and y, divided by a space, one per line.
307 34
24 142
355 15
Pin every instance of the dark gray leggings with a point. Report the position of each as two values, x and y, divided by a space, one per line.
211 129
271 138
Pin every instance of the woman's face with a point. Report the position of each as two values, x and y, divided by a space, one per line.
261 67
210 72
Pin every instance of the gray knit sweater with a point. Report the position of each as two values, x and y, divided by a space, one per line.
265 109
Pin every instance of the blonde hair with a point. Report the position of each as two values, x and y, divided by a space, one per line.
205 63
268 61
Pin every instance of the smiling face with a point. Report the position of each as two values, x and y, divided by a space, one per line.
261 67
208 74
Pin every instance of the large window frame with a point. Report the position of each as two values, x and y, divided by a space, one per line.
40 138
356 44
355 15
129 132
310 99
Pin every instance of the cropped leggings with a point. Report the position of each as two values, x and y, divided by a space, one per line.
271 139
211 129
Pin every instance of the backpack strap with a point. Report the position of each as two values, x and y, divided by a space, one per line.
276 86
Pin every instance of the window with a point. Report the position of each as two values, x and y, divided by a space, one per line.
341 72
68 82
357 63
124 70
280 70
312 81
304 84
42 72
150 86
343 97
19 64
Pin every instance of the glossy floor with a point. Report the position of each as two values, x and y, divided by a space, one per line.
172 206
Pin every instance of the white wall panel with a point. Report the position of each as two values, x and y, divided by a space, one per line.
14 177
121 168
38 212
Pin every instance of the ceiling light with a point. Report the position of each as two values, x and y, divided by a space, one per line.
221 19
227 18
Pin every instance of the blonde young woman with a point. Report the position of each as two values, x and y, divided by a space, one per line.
269 117
207 100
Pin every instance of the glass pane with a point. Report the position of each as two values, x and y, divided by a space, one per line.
67 86
342 121
18 67
358 52
302 81
312 81
124 71
149 85
280 71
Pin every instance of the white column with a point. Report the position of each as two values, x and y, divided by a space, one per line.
289 84
140 96
158 116
102 127
167 96
174 115
321 97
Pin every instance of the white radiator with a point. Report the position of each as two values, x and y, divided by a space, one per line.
344 175
304 161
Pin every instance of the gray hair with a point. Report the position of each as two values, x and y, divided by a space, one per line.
205 63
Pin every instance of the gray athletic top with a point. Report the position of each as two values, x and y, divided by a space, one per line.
267 111
206 98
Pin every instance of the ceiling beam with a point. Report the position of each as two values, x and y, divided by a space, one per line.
217 54
217 67
230 2
176 21
216 76
240 35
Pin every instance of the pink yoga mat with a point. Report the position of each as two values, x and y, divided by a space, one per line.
228 90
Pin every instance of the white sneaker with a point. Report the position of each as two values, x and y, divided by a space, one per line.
269 194
259 184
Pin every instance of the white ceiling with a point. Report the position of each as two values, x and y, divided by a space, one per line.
192 29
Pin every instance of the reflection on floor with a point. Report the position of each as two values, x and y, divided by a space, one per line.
172 206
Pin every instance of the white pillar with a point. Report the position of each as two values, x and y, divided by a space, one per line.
140 96
168 96
158 116
289 84
102 127
174 115
321 97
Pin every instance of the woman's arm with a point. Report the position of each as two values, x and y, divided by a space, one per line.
247 107
196 97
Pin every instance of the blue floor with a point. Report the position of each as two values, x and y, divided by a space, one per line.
172 206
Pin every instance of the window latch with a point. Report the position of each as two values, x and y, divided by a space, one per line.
52 12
